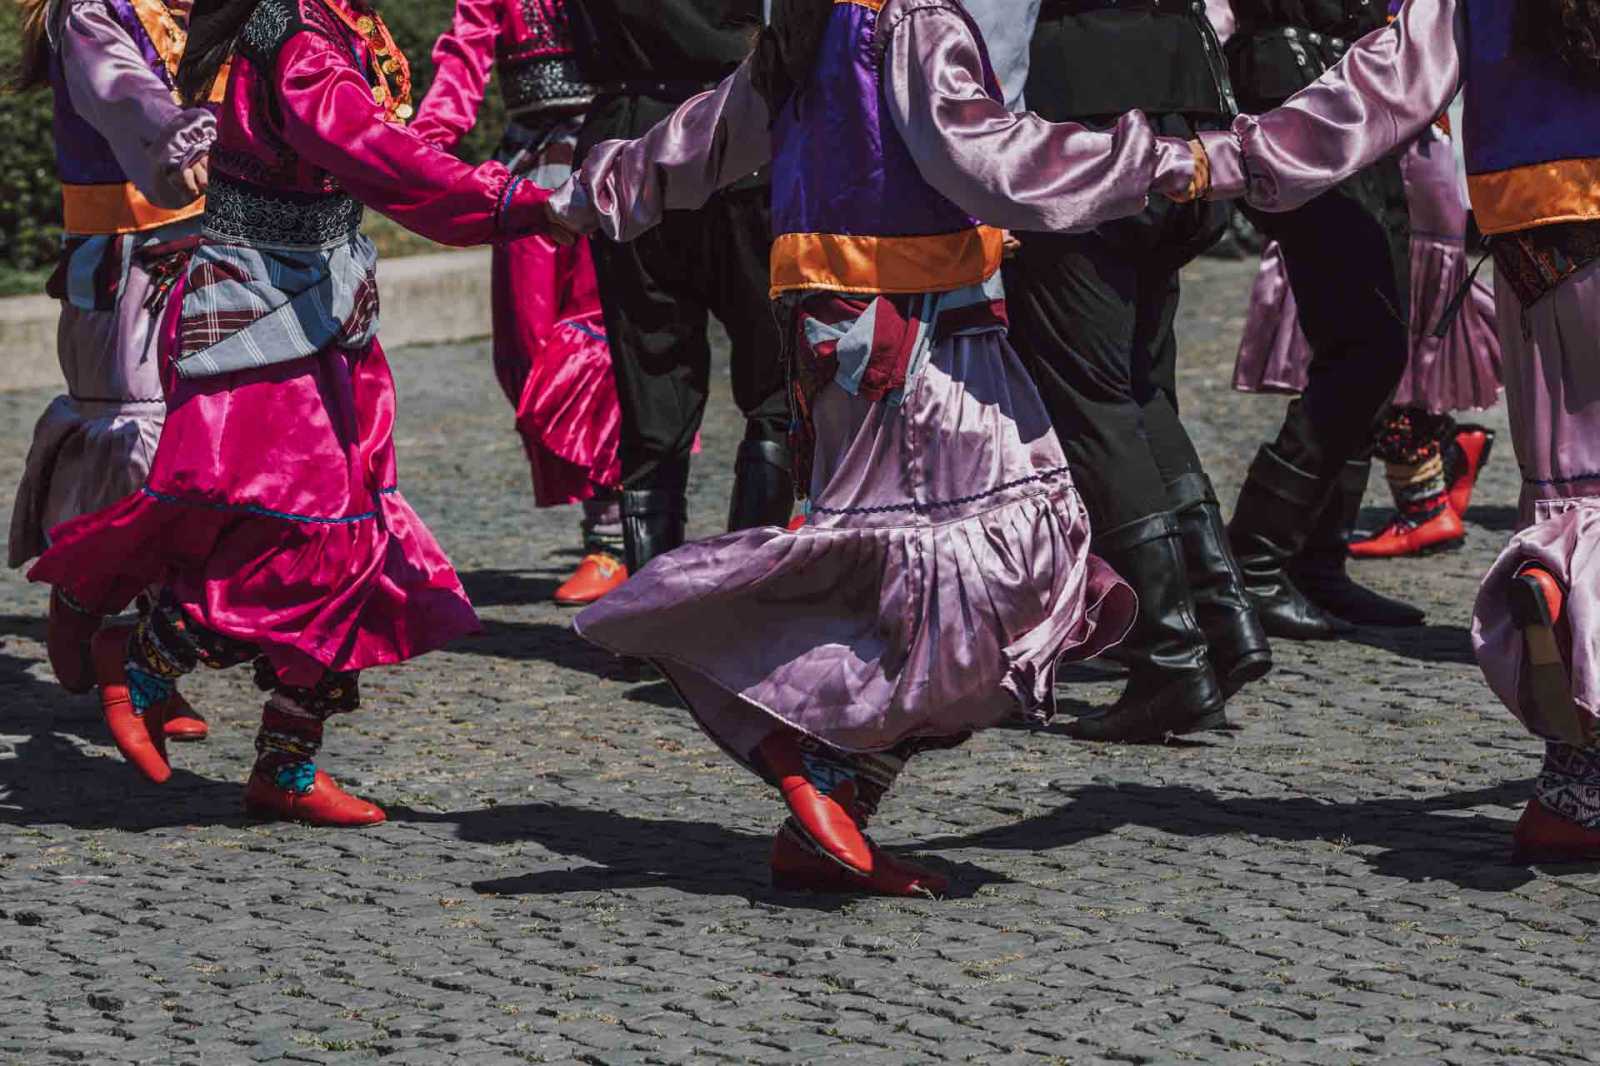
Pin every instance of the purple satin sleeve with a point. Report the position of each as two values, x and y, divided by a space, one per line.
462 60
115 90
330 119
710 141
1016 171
1385 91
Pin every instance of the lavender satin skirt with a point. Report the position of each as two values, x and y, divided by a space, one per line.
94 444
1457 372
944 571
1552 353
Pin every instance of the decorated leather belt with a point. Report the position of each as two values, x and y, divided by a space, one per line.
242 213
1534 262
672 92
547 82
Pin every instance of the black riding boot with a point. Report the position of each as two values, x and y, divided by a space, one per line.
652 524
763 486
1239 650
1276 509
1172 688
1318 570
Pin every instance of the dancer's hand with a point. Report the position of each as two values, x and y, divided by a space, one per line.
1009 245
196 177
556 227
1200 183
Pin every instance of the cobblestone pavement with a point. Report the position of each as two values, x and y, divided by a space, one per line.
573 873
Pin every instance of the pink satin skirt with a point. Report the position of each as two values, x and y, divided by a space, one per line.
273 512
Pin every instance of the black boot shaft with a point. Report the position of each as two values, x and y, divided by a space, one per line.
1239 649
763 486
1172 688
653 523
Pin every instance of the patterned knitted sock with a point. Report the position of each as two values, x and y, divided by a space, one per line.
1419 489
292 724
1569 783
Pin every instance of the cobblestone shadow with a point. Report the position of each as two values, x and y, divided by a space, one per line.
702 858
1415 839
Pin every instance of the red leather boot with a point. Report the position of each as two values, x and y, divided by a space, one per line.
1536 603
598 574
1405 536
140 738
66 638
182 722
1542 835
824 817
324 803
798 866
1465 458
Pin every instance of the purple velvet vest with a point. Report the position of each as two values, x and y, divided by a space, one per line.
850 210
97 196
1531 130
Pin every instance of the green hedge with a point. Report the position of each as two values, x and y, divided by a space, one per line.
30 199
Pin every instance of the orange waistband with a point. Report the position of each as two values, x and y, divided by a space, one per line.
841 263
122 208
1565 190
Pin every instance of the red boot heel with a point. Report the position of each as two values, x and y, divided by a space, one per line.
1466 455
1536 602
182 722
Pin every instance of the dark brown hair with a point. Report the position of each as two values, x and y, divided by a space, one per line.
1569 29
214 28
33 66
787 46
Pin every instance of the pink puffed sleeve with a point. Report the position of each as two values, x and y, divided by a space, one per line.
1382 94
1016 171
331 120
462 60
113 88
710 141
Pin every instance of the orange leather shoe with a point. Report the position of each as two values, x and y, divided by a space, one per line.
597 575
1465 458
140 738
180 721
1400 537
824 819
66 640
797 866
325 803
1542 835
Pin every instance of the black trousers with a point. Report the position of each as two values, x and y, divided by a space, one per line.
656 293
1348 260
1092 317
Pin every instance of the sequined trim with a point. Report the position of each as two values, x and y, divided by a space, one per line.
250 214
543 82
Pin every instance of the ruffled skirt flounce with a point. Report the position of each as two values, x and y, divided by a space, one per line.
944 571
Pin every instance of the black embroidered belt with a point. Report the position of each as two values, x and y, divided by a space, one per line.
542 83
243 213
1536 261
